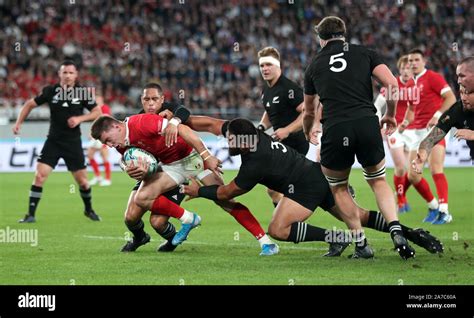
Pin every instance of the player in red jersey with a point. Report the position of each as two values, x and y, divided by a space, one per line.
179 163
96 146
398 142
435 98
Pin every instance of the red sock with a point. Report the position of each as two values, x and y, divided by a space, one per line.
164 206
424 190
441 187
95 167
107 170
406 183
399 183
245 218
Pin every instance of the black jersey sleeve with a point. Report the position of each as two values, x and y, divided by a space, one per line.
247 178
46 95
309 88
450 118
182 113
375 59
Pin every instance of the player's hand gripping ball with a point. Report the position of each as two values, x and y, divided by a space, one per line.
131 155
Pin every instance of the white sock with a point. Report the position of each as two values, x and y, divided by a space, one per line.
264 240
433 204
443 207
187 217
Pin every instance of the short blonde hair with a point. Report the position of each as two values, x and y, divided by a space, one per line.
269 51
402 61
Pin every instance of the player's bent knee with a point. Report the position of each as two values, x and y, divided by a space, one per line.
159 223
133 213
277 232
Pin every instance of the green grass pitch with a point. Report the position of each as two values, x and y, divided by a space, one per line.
74 250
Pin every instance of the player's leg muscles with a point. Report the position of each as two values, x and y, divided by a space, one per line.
375 176
338 181
151 188
90 153
288 214
399 160
413 177
81 178
159 222
133 213
275 196
41 175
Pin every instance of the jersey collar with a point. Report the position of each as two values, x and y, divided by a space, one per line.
127 131
416 77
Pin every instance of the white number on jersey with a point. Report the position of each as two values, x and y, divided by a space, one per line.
337 59
276 145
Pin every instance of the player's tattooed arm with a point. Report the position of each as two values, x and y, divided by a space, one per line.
434 136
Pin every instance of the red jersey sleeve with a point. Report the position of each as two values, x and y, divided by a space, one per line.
438 83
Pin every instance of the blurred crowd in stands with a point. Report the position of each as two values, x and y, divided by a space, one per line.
204 53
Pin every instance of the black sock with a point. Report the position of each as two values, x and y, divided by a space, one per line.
168 233
86 196
377 222
35 196
303 232
359 239
395 228
136 229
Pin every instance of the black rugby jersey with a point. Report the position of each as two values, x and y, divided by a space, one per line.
62 109
341 74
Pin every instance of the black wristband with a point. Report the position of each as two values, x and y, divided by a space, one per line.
182 113
208 192
261 127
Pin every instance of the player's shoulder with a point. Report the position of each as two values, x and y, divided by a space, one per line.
51 89
430 74
286 82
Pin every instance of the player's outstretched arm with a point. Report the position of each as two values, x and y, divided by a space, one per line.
24 112
206 124
434 136
213 192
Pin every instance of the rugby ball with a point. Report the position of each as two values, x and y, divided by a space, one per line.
132 154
